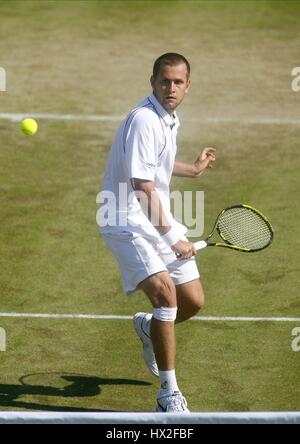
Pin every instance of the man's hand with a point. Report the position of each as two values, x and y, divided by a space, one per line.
205 160
184 249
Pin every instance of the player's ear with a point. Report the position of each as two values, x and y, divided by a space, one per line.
187 86
152 80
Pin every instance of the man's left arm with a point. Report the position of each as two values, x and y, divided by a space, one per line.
204 160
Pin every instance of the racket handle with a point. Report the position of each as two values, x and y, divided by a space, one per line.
200 245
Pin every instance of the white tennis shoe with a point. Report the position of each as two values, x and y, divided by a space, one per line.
139 321
173 402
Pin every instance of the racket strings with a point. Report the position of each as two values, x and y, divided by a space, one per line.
245 228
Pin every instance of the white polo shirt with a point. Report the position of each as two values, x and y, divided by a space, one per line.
144 148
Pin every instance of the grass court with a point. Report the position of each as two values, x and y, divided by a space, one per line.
95 58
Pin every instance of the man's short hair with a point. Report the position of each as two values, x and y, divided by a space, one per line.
171 59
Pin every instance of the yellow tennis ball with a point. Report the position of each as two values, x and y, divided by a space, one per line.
29 126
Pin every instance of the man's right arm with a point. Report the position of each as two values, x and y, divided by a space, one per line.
153 209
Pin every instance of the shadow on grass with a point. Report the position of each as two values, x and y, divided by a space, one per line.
64 385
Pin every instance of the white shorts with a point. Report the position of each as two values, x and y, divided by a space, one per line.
138 259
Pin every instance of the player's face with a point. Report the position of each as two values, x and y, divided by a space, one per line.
170 86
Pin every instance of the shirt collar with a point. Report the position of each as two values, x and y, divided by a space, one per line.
168 119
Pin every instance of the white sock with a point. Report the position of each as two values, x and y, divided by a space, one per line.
168 380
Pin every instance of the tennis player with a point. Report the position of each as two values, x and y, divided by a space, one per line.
143 235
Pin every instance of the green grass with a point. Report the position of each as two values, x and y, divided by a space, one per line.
96 57
70 364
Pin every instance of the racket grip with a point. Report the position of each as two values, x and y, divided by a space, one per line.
200 245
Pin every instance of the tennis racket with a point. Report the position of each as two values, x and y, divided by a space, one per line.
241 228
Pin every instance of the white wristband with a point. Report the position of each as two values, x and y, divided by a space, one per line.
171 237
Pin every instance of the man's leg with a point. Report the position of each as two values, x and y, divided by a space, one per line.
190 299
161 291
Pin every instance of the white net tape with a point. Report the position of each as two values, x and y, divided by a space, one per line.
149 418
